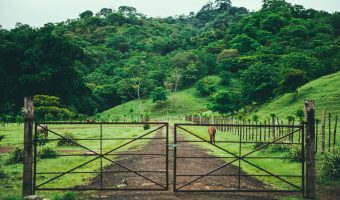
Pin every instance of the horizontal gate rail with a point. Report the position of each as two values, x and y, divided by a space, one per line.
101 155
239 157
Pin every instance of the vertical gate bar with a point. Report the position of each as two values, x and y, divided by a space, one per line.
101 155
239 166
175 154
303 159
167 156
35 158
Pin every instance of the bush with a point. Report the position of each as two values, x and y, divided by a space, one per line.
47 153
67 196
293 151
2 137
330 165
146 126
15 156
2 172
206 86
67 141
41 140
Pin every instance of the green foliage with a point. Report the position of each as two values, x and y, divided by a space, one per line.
225 102
300 114
41 140
244 43
259 82
68 140
330 165
206 86
47 153
67 196
159 95
16 156
48 108
292 80
2 137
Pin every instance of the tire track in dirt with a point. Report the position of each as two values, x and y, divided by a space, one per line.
187 167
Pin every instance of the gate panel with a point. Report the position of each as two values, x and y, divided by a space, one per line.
101 156
244 158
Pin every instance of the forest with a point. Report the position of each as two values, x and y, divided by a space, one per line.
86 65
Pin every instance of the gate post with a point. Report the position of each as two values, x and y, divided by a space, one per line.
310 149
27 186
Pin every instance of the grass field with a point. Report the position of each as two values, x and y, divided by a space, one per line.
283 166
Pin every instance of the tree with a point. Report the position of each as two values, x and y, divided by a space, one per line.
225 102
273 23
206 86
105 12
223 4
300 114
292 80
48 108
244 43
259 82
86 14
172 83
159 95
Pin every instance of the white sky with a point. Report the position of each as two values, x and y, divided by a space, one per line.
39 12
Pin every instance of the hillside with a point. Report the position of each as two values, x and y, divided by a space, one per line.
325 91
187 101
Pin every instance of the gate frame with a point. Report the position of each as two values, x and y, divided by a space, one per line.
101 155
240 157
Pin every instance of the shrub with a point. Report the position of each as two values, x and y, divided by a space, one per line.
2 137
67 141
47 153
146 126
41 140
15 156
67 196
206 86
330 165
293 151
2 172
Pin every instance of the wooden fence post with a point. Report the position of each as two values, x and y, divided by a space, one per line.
335 126
27 187
310 149
323 131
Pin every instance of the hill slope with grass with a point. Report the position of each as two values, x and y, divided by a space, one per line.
325 91
187 101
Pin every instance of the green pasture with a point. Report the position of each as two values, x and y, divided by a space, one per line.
12 184
276 166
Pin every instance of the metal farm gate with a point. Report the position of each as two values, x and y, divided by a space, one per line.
237 148
95 145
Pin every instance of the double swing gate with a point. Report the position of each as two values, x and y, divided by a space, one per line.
135 156
101 156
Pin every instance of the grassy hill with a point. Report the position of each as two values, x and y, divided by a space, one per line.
325 91
187 101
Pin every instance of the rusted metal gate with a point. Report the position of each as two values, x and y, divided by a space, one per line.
102 155
234 156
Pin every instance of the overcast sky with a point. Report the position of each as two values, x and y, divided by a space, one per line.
39 12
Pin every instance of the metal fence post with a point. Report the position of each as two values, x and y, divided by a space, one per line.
310 149
27 186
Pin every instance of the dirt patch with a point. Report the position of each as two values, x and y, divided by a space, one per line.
5 149
116 179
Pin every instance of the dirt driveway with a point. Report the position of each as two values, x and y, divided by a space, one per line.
197 166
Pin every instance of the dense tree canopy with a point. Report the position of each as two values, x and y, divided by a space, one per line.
97 61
